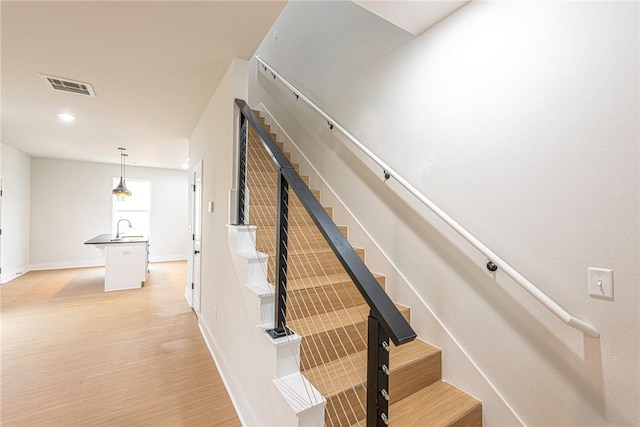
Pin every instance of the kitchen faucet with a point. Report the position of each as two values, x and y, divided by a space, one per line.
118 227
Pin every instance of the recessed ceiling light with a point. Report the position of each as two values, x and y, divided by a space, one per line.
66 117
185 166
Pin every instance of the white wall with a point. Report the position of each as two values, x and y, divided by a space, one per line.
16 178
521 121
71 202
223 317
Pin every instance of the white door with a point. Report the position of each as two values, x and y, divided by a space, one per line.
197 234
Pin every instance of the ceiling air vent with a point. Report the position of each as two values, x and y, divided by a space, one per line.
67 85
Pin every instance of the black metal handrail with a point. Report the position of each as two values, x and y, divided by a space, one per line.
385 320
383 308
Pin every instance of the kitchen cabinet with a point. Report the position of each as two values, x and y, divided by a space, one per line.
126 261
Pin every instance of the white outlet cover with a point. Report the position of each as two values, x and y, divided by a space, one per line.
600 283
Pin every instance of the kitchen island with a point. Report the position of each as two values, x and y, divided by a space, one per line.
126 260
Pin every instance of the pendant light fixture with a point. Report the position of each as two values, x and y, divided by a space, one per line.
121 190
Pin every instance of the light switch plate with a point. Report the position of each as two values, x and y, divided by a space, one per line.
210 207
600 283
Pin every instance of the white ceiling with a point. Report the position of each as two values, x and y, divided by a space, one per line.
153 66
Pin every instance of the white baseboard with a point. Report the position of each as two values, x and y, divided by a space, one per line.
11 274
168 258
96 262
247 418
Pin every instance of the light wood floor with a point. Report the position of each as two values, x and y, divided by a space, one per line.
73 355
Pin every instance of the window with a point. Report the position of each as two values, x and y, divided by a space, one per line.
136 208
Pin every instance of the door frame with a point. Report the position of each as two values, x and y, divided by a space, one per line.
194 268
1 231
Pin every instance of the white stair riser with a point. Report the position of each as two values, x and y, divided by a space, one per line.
298 401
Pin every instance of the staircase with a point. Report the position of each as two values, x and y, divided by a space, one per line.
326 309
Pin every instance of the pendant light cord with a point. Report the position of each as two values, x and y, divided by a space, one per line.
122 166
124 169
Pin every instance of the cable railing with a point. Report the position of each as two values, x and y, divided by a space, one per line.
273 196
310 290
494 261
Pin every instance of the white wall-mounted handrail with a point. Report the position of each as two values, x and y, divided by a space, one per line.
560 312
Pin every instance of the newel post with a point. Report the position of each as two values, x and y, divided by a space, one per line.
280 322
377 374
242 171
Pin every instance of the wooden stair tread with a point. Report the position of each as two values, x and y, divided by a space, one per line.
326 280
271 181
307 262
297 210
408 353
259 154
310 239
299 237
271 200
350 371
313 295
295 228
334 319
254 152
255 147
304 228
272 195
313 251
265 165
265 215
264 161
440 404
261 173
253 137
